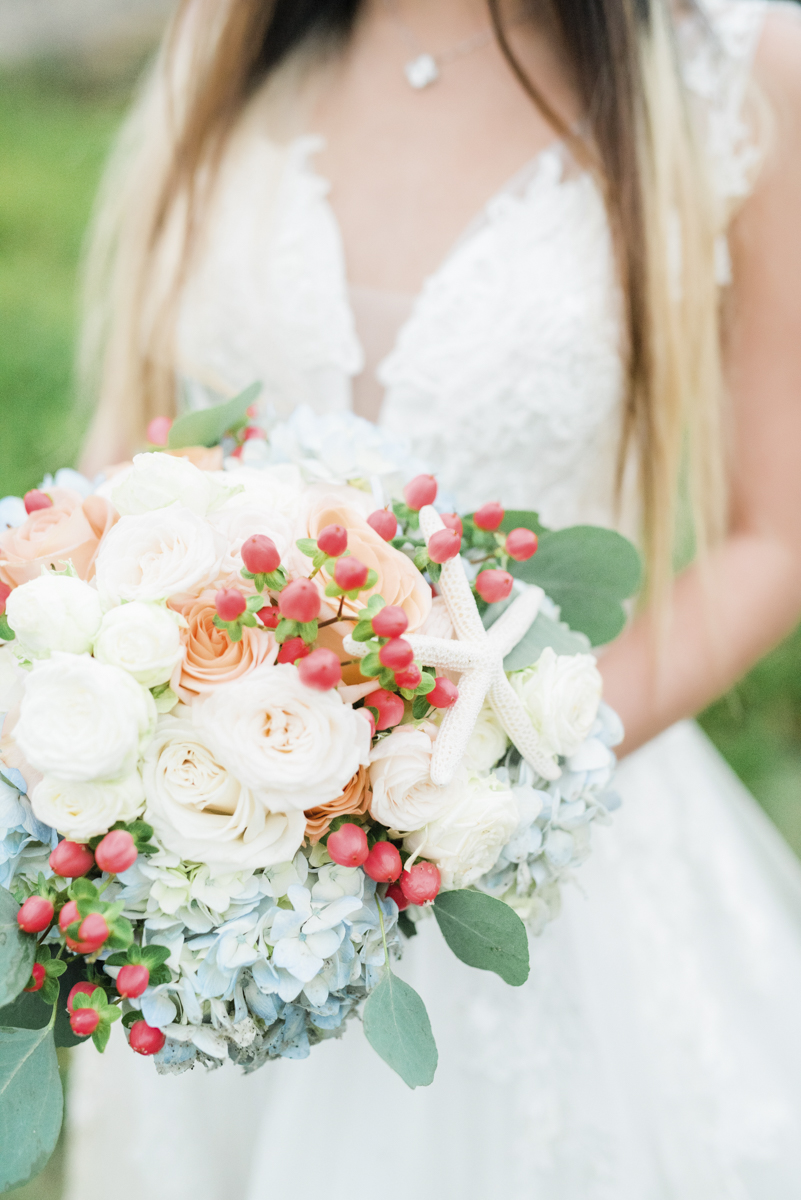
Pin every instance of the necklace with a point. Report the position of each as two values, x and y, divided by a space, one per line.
424 68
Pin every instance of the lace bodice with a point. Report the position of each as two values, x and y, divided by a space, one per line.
506 376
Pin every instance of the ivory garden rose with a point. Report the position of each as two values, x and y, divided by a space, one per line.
79 811
158 480
562 693
404 798
143 639
157 555
54 612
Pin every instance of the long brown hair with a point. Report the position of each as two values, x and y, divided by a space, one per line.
637 137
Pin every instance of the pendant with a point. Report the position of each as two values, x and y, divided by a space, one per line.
422 71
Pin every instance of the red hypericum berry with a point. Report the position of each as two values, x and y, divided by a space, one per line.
158 431
383 863
35 915
71 859
396 654
394 893
409 678
34 500
420 491
84 1021
132 980
230 604
384 522
117 852
292 650
5 592
489 516
145 1039
333 540
390 622
68 916
260 555
237 451
38 976
348 846
269 616
93 932
494 585
321 670
521 544
422 883
368 716
82 989
452 521
444 694
254 431
252 411
300 601
444 544
389 706
350 574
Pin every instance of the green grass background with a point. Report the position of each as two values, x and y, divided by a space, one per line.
56 126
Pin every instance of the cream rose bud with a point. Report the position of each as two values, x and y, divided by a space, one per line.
82 810
488 741
466 840
561 694
203 813
143 639
404 798
237 522
83 720
159 480
54 612
158 555
294 747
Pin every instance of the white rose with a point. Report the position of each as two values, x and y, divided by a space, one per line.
294 747
404 798
158 555
488 741
270 489
82 810
82 720
561 694
159 480
12 679
238 522
54 612
466 840
203 813
143 639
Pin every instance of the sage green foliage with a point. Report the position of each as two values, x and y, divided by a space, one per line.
207 426
27 1011
396 1025
17 950
545 632
484 932
31 1103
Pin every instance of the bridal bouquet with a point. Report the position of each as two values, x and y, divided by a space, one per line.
261 721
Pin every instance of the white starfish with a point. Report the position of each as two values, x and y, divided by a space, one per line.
477 655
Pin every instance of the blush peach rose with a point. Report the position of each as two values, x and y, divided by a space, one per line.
354 801
71 530
210 657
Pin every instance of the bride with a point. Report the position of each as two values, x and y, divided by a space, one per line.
557 246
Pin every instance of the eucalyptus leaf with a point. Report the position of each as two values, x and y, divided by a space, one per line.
75 973
521 519
396 1025
545 632
28 1011
207 426
31 1103
485 933
17 950
588 571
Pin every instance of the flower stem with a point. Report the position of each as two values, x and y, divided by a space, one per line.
383 932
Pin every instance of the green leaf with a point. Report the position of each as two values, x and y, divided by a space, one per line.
427 684
370 665
485 933
6 632
75 973
307 546
17 950
207 426
28 1011
362 632
406 925
308 631
396 1025
587 571
545 632
522 519
420 707
153 956
31 1103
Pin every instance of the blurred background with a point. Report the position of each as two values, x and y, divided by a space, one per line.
67 71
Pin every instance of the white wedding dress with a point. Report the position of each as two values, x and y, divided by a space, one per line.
655 1053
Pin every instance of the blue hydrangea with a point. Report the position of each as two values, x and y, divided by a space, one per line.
25 843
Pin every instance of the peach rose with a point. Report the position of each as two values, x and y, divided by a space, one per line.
72 529
399 581
211 657
354 800
205 458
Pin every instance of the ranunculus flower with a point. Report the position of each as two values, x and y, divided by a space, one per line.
54 612
157 555
210 657
404 798
70 531
465 840
488 741
159 480
295 747
82 720
143 639
237 522
561 693
354 800
399 581
203 813
82 810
